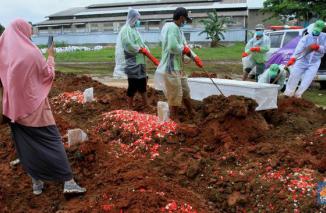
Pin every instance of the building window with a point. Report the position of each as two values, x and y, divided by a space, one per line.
56 29
107 27
43 30
116 26
81 28
187 36
95 28
154 25
236 22
67 29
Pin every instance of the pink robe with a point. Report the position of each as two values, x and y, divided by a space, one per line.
25 74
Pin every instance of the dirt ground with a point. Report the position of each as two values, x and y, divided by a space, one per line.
225 158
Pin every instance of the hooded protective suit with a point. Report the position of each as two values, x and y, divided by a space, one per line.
129 62
306 67
256 58
269 76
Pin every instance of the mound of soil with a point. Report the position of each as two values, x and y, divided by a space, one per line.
202 75
225 158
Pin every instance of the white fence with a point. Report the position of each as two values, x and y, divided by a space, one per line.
95 38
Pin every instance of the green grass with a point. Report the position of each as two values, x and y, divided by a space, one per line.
221 70
210 56
231 52
86 69
316 96
213 59
104 55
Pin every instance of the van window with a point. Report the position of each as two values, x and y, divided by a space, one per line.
289 36
276 39
323 63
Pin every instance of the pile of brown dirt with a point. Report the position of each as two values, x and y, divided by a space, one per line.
225 158
202 75
224 121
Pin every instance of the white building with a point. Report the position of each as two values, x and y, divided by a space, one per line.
100 23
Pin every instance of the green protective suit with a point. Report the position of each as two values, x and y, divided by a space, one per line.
132 42
270 75
173 42
127 57
264 43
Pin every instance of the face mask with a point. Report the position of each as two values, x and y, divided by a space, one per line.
316 33
137 24
259 33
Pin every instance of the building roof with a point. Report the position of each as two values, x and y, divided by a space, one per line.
169 5
142 3
159 9
154 17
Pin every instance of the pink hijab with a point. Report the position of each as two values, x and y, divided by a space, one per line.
24 72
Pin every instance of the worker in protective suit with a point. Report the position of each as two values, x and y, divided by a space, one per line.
275 74
255 52
306 60
130 58
169 75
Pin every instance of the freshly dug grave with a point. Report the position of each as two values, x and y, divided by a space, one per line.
225 158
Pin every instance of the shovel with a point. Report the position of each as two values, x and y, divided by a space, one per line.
219 90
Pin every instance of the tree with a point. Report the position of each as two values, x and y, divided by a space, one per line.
214 27
303 10
1 29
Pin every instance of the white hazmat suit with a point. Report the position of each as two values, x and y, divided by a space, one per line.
305 68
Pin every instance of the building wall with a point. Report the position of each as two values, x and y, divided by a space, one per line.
257 17
94 38
233 1
103 30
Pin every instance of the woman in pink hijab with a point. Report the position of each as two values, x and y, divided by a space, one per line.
27 79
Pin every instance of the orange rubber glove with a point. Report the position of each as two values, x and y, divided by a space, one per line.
198 62
153 59
143 51
244 54
314 47
186 50
149 55
255 49
291 62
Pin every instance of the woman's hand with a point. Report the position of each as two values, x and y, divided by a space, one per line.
51 51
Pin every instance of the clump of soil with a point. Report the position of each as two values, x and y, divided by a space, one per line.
202 75
225 158
227 121
295 116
